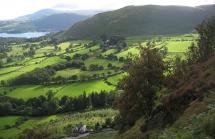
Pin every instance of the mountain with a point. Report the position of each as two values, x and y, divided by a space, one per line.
42 22
88 12
57 22
38 14
142 20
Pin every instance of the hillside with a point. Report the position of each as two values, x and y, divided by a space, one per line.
49 22
142 20
57 22
186 111
184 104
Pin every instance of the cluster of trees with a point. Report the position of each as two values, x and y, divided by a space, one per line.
113 41
95 67
4 48
81 56
49 104
41 76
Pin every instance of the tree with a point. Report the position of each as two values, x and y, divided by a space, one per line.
56 47
1 64
206 43
68 50
74 77
3 82
68 58
109 65
145 78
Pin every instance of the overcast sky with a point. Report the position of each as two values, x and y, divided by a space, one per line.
13 8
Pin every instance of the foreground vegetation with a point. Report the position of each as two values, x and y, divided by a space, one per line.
178 105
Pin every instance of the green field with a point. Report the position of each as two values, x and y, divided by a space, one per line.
102 62
8 120
115 79
74 89
71 71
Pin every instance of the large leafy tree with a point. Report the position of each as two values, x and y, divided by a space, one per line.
206 43
145 76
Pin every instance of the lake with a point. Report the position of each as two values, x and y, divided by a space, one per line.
23 35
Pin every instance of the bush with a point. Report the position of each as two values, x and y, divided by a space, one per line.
7 127
37 133
208 126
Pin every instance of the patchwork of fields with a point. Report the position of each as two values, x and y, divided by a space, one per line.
102 69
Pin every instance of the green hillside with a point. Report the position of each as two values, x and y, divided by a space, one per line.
141 20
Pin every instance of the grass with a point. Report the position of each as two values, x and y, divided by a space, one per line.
73 89
8 120
29 66
109 51
132 50
178 46
102 62
76 89
29 91
7 70
115 79
64 45
40 52
66 73
17 50
174 47
32 122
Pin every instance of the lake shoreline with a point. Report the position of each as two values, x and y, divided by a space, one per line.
26 35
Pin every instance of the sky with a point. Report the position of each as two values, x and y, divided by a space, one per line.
10 9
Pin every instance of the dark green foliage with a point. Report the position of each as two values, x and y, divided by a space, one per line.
140 87
49 104
7 105
94 67
206 43
208 125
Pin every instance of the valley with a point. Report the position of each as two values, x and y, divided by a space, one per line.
84 70
101 70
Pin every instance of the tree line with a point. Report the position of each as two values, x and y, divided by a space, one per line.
43 75
49 104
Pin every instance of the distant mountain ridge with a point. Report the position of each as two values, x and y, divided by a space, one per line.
142 20
47 20
38 14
